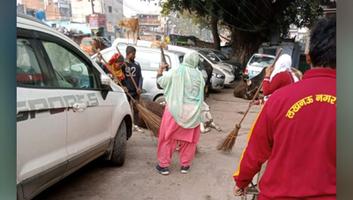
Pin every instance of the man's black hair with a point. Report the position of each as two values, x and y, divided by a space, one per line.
322 48
130 49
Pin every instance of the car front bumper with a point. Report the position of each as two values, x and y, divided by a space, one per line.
217 83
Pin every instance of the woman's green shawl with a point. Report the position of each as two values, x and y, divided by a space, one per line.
184 91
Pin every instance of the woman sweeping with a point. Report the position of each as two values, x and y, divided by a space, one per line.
184 91
278 76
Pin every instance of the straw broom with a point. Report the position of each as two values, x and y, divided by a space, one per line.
229 141
151 120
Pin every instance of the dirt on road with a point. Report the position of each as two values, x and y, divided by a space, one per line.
210 177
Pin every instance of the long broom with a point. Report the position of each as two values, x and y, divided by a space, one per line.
229 141
151 120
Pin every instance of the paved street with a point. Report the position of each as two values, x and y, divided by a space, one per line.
210 177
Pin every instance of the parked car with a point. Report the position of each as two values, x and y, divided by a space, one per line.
226 69
256 63
149 59
139 43
69 112
206 70
218 56
215 78
88 43
227 49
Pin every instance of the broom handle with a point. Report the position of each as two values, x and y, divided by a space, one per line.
132 79
257 91
163 60
101 58
250 104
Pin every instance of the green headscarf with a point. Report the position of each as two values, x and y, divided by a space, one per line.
184 91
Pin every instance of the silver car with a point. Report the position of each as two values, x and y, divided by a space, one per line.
226 69
217 77
217 80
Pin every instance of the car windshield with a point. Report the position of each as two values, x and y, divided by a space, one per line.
213 58
209 56
261 60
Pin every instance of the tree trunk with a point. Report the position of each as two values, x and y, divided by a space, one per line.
215 34
245 44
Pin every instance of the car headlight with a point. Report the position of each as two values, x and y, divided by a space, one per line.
217 75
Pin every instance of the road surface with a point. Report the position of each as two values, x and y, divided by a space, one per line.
210 177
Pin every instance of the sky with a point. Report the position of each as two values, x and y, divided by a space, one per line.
132 7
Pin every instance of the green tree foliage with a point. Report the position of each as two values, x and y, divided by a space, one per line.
251 21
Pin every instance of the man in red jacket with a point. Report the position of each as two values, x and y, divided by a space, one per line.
296 131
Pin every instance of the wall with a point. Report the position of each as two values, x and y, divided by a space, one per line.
33 4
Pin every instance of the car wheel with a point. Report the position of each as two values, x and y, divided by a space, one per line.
160 99
119 148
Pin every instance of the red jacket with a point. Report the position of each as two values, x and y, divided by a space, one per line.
296 133
279 80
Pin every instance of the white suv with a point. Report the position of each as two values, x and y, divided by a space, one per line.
68 110
256 63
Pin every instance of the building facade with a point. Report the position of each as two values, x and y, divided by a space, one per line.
57 9
111 11
149 14
46 9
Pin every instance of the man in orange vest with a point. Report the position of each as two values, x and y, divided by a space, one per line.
296 131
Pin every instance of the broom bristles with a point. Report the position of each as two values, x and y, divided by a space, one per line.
228 143
151 120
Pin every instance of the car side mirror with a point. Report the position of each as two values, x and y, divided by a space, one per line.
105 80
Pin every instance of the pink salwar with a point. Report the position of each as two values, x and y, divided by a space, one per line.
170 135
